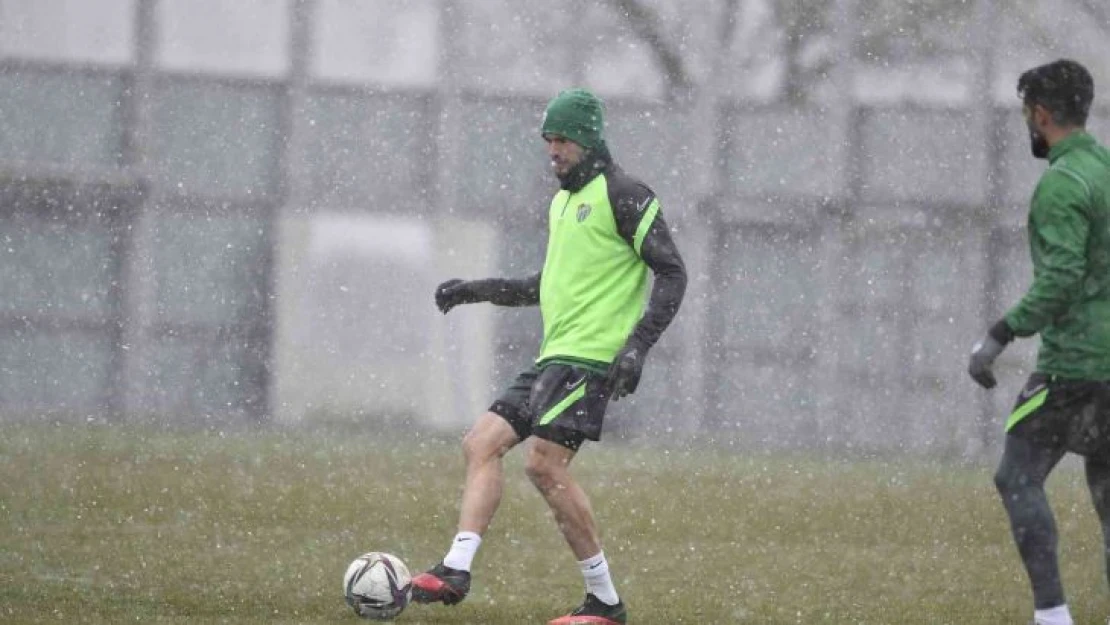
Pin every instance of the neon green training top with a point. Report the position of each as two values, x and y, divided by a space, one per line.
594 283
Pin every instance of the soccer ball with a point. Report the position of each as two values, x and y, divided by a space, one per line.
377 586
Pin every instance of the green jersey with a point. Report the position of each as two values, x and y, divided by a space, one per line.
594 284
606 232
1069 239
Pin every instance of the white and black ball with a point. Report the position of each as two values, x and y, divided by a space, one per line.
377 586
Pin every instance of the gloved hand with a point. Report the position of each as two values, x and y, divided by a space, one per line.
624 373
984 353
452 293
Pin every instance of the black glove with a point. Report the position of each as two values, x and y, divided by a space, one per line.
452 293
984 353
624 374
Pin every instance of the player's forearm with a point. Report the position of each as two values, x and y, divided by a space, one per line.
666 298
1043 304
664 259
1055 289
509 291
1059 231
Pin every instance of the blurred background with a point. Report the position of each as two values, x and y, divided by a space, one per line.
219 213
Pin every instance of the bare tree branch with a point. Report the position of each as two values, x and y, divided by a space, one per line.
1098 11
728 24
800 22
649 28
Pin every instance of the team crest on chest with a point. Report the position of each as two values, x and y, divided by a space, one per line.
583 212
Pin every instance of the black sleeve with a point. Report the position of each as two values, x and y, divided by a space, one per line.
508 292
632 202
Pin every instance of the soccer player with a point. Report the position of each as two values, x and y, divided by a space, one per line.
606 231
1064 404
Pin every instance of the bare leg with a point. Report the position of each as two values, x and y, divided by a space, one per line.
548 465
548 468
483 447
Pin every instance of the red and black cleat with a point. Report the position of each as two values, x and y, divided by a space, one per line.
441 583
594 612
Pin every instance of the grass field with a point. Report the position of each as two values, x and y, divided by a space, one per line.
115 525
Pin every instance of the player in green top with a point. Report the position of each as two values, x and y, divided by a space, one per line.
1064 405
606 231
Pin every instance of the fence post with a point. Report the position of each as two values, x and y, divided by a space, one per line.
135 291
991 133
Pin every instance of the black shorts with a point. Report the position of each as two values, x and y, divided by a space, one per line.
562 403
1058 413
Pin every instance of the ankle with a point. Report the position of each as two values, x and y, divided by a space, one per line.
1059 615
463 549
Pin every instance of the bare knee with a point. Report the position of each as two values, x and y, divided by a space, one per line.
546 471
479 450
489 440
538 472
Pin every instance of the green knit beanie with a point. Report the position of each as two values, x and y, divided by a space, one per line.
578 115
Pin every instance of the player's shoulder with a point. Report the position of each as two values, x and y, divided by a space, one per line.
1064 180
627 192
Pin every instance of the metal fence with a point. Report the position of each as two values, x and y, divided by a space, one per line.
159 232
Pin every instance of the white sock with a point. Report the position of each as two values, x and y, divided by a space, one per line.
463 549
1053 616
598 582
